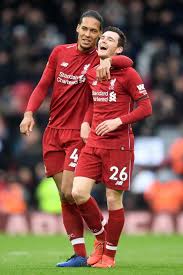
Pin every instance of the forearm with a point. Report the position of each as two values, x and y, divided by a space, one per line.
89 114
144 109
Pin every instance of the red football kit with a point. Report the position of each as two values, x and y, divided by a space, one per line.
110 157
66 73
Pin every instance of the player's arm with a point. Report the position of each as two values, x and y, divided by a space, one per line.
87 121
118 61
39 94
137 91
135 87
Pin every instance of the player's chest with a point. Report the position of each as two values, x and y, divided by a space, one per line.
107 91
74 65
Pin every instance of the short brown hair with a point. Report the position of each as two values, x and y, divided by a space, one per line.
122 37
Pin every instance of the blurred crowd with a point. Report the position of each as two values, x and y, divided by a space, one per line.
28 32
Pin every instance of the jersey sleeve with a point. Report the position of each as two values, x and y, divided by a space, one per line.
143 110
47 78
89 113
121 61
134 85
137 91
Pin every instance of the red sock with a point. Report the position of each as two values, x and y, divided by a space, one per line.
103 220
73 223
92 216
114 229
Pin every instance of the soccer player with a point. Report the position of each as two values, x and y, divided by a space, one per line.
65 72
109 151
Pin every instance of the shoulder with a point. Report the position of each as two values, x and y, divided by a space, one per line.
130 73
64 47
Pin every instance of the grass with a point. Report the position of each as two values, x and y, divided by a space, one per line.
137 255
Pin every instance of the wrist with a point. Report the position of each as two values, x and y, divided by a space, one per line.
119 121
85 123
28 114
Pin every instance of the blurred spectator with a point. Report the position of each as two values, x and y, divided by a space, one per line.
48 197
5 149
114 14
12 197
165 196
28 150
19 95
7 72
176 156
26 179
6 26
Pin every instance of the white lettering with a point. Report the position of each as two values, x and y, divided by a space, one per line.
70 79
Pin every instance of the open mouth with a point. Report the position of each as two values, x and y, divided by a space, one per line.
103 48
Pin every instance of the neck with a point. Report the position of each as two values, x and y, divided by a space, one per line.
83 50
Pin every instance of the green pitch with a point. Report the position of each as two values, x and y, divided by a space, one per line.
35 255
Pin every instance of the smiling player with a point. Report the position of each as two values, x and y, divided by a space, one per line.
109 152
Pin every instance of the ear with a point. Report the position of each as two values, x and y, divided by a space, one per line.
77 28
119 50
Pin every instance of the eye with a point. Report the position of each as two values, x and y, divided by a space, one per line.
94 31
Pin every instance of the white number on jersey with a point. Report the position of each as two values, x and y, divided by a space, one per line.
122 175
74 157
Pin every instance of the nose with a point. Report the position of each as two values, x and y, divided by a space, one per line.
87 33
104 39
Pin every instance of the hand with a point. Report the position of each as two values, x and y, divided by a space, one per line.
103 70
108 126
27 124
85 131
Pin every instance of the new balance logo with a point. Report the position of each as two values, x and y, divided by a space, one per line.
64 64
112 97
119 182
72 164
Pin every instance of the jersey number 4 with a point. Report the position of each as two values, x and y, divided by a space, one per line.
74 158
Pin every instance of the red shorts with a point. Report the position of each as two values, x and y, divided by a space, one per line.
61 149
112 166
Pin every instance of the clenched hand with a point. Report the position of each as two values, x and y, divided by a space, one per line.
103 70
27 124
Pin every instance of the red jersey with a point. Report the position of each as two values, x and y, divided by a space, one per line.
66 71
116 98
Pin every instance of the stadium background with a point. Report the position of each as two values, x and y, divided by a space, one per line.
154 29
